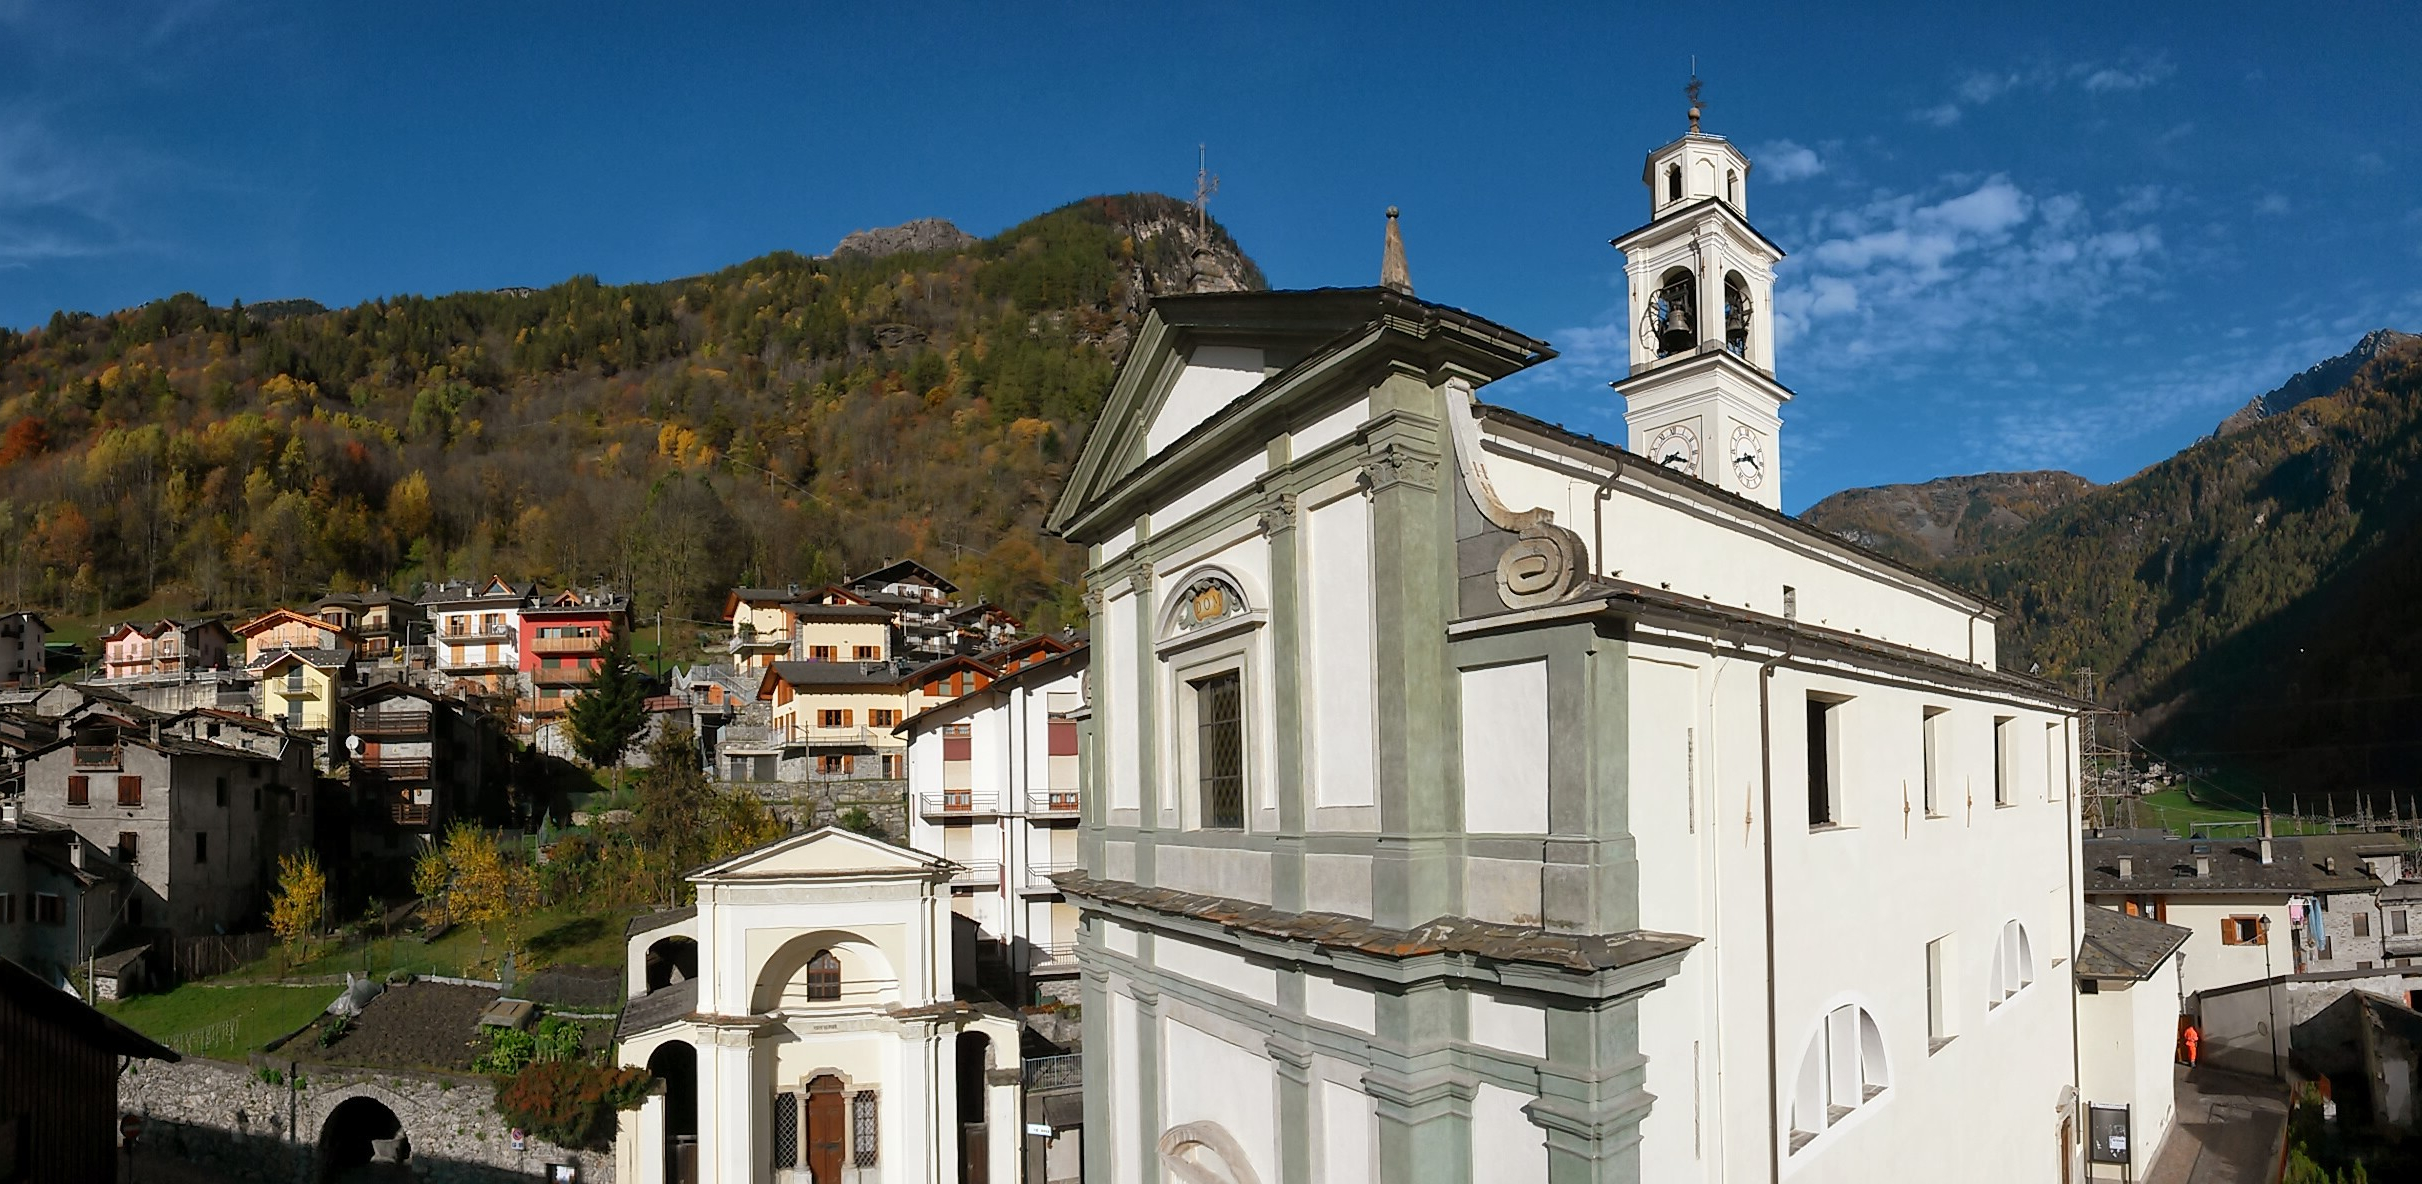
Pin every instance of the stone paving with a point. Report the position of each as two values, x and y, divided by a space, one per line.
2230 1128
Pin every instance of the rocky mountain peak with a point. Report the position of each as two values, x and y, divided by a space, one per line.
921 234
2322 378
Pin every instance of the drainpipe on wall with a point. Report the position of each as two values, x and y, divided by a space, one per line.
1774 1080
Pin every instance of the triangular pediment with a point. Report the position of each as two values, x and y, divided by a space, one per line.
822 854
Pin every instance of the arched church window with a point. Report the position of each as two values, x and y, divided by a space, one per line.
1842 1070
824 976
1732 186
2013 963
1736 314
1669 325
1673 182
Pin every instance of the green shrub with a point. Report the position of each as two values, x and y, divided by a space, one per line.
570 1103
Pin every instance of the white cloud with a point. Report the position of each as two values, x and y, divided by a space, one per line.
2136 77
1943 115
1784 160
1978 88
2272 203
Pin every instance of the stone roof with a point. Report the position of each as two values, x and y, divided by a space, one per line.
1444 935
2299 864
2118 946
836 674
650 922
657 1008
808 610
65 1013
325 659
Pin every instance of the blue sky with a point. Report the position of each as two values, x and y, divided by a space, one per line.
2027 235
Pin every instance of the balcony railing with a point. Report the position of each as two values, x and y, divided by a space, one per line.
748 738
1060 1072
396 768
407 814
563 675
567 645
477 633
392 723
1038 876
976 875
1054 957
1052 801
96 756
957 803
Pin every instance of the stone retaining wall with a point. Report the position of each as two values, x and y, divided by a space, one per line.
232 1119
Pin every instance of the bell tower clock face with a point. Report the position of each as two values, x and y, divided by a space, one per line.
1676 448
1748 457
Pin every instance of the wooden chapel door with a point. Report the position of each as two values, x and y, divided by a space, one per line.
827 1129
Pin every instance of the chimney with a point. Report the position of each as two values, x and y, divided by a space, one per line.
2266 832
2203 867
2330 864
2127 868
8 812
75 852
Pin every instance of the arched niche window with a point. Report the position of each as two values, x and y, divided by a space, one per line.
1210 650
1669 325
1673 182
823 977
1736 314
1732 186
1842 1070
2013 964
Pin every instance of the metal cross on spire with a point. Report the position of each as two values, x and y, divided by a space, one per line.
1205 185
1693 91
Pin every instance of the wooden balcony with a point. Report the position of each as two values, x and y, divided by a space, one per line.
563 676
567 645
392 723
96 756
398 768
408 814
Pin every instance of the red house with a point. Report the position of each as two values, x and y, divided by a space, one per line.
563 641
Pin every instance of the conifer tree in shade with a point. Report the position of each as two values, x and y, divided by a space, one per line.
609 711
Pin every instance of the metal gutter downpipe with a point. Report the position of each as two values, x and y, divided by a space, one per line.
1774 1080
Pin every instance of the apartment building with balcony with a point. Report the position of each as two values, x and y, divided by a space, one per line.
993 779
386 622
829 721
921 603
200 824
286 629
562 641
303 689
475 632
417 762
165 648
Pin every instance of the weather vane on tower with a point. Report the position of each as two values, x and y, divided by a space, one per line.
1693 91
1205 184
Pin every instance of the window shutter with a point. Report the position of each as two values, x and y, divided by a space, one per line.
130 790
79 791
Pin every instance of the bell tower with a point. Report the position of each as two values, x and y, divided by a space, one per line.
1701 395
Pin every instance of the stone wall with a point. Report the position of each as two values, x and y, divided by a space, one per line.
249 1126
810 804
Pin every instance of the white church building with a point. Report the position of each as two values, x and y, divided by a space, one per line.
802 1023
1471 800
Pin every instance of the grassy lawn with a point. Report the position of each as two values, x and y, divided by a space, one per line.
549 937
2174 810
260 1015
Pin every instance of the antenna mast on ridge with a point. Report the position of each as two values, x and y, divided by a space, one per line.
1204 186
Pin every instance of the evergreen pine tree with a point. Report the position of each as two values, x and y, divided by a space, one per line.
605 716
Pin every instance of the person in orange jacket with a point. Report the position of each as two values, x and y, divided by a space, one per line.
2191 1038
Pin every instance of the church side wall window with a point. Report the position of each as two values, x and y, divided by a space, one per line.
1220 749
2002 756
1824 792
1843 1069
1673 182
2013 963
862 1129
1931 730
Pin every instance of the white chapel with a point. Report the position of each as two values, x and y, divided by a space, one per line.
1469 800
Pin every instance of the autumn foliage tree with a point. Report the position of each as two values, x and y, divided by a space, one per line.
295 909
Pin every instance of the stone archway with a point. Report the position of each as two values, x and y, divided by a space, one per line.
361 1141
671 960
1205 1153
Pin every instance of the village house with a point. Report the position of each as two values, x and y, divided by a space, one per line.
303 689
59 1083
476 629
920 602
2127 1025
562 640
285 629
803 1021
832 720
201 823
136 649
60 897
386 622
836 630
2256 907
1471 799
761 628
993 784
416 762
24 660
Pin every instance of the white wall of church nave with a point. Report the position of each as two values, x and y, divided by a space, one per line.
1214 375
736 940
1213 1071
862 1060
1652 540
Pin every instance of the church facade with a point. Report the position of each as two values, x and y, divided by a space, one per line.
1471 800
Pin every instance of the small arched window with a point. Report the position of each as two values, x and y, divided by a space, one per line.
1669 325
1673 182
1736 314
2013 963
1842 1070
823 976
1732 186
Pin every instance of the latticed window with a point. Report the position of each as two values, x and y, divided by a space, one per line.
1220 749
786 1131
862 1128
824 976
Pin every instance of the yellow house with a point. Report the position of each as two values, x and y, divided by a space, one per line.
840 716
303 689
285 629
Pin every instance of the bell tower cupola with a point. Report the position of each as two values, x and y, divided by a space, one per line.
1701 395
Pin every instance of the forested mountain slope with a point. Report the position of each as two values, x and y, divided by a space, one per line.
1946 518
2251 597
788 418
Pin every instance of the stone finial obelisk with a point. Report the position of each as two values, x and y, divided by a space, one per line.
1393 274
